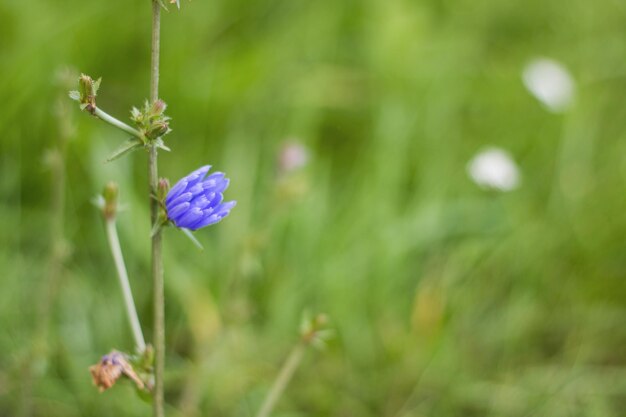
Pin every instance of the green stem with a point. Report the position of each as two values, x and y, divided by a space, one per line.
102 115
281 382
118 258
157 261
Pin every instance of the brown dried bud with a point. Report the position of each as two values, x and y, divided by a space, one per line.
111 368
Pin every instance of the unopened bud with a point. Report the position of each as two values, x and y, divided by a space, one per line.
163 188
110 194
88 89
157 129
158 107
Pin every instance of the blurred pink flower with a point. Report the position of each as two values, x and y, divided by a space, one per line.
292 157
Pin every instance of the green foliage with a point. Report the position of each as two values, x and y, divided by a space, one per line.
126 147
446 300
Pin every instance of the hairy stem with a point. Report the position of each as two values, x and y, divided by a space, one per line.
157 261
281 382
100 114
118 258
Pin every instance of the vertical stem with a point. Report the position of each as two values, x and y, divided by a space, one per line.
122 274
283 378
157 261
156 46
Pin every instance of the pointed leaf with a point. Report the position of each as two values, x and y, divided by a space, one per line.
155 229
128 146
191 237
96 86
160 144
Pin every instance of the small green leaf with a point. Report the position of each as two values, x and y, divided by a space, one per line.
160 144
126 147
74 95
191 237
155 229
96 86
144 395
135 114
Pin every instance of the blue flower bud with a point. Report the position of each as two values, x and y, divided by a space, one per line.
196 200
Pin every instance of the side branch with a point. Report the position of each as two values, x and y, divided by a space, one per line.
122 274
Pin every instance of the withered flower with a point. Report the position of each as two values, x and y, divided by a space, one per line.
110 368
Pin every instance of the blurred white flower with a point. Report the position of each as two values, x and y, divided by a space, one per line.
550 83
494 168
293 156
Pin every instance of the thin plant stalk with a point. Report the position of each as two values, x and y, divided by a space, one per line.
122 274
282 380
157 261
105 117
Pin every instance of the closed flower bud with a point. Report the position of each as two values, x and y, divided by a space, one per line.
110 194
88 89
162 189
157 108
157 129
314 330
196 200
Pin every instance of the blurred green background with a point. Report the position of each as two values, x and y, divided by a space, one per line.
446 299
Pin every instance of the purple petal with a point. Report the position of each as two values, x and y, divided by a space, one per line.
217 199
212 216
190 217
206 221
176 190
202 170
195 190
183 198
177 211
201 202
197 176
221 186
225 207
216 176
209 195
